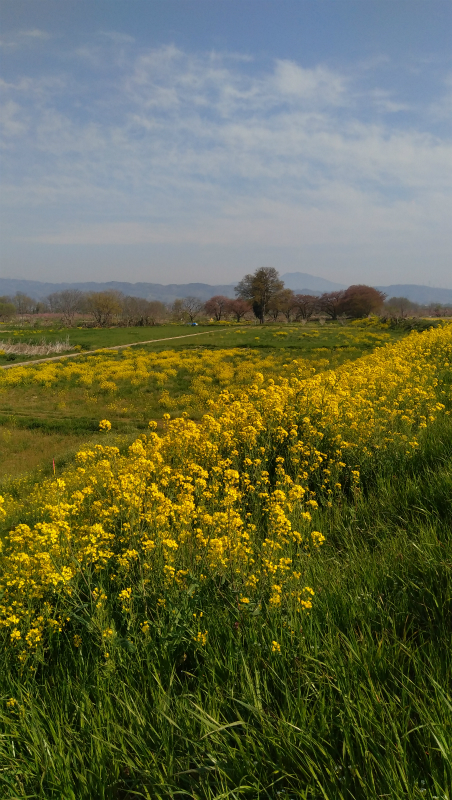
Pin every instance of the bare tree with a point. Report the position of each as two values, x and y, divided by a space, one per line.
283 302
104 306
273 308
438 310
138 311
157 312
192 307
129 310
331 303
53 302
400 308
306 305
40 307
23 303
67 302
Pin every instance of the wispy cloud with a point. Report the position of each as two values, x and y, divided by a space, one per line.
23 39
208 149
117 37
441 109
383 100
12 121
36 33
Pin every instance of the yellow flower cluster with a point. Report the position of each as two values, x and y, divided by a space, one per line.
104 425
176 381
108 370
227 500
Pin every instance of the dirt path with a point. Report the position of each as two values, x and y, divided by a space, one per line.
90 352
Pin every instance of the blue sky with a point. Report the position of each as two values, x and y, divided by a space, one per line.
195 140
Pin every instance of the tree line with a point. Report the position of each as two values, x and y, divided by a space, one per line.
113 307
269 298
261 295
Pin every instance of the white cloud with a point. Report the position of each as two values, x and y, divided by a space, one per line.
117 38
36 33
12 121
441 109
349 215
383 102
22 39
203 149
320 84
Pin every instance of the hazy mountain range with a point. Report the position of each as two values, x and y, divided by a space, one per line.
300 282
150 291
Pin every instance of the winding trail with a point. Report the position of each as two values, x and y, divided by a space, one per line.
101 349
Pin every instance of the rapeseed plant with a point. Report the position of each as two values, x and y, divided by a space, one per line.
229 500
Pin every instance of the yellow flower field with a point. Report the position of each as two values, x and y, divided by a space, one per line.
133 380
229 499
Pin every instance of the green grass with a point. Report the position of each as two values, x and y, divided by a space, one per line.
94 338
304 340
358 704
295 337
34 420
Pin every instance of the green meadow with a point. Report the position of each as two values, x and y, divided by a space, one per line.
38 425
353 701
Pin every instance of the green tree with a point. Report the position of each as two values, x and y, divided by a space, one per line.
104 306
259 289
7 308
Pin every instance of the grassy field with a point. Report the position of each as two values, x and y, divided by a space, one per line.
253 604
249 335
87 339
40 422
357 704
37 426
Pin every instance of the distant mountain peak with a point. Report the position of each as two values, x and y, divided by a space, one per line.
302 280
